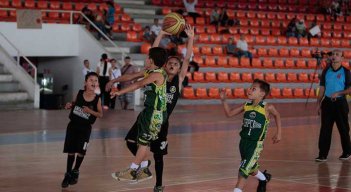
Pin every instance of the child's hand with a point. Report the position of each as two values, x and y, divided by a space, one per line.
277 137
68 105
189 30
86 109
223 94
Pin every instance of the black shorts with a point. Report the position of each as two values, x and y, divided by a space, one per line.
77 138
158 146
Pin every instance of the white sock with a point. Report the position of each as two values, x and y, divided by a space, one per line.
134 166
144 164
237 190
260 176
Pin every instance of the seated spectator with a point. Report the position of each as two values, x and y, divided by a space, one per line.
110 18
225 21
190 8
291 29
335 9
83 21
300 29
243 48
231 48
214 17
155 29
147 36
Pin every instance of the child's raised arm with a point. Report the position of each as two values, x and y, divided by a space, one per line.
123 78
189 30
230 112
278 135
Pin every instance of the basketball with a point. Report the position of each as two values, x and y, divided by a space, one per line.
173 23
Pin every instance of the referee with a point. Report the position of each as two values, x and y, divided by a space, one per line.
334 86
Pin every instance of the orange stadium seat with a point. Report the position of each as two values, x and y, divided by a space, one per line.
284 52
276 32
215 38
210 77
281 40
54 5
190 77
233 30
325 42
310 92
310 17
239 92
228 92
254 31
294 52
338 34
137 27
4 3
222 77
267 63
234 77
256 63
251 15
245 62
258 75
240 14
260 40
67 6
347 27
292 41
280 77
16 3
311 64
337 26
249 39
203 38
200 29
166 10
233 62
79 6
279 63
104 7
262 52
125 18
314 77
125 27
213 93
261 15
30 4
271 15
196 50
306 53
289 63
301 64
188 93
210 61
201 93
303 77
287 93
347 54
335 42
211 29
217 50
275 93
200 21
198 59
254 23
271 40
298 93
303 41
320 18
291 77
244 30
145 48
326 34
314 42
206 50
115 27
198 76
345 43
222 61
246 77
273 52
3 14
132 36
270 77
54 15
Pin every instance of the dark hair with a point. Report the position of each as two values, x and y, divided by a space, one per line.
177 58
112 60
147 27
110 3
264 86
91 74
85 60
158 55
127 57
104 56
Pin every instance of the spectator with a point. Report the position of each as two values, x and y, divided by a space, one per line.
190 8
225 21
291 29
214 17
314 31
300 29
103 68
110 17
335 9
155 28
115 72
243 48
231 48
89 14
101 24
127 98
86 68
147 36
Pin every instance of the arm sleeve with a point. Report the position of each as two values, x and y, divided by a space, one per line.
322 81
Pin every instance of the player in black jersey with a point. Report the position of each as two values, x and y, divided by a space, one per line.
84 111
176 72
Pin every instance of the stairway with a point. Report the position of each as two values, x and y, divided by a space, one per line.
11 94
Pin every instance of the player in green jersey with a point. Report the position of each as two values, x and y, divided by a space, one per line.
254 128
152 117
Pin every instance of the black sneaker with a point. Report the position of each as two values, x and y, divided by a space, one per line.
74 177
158 188
66 180
262 184
320 159
345 156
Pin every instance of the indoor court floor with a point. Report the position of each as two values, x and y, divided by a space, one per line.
203 153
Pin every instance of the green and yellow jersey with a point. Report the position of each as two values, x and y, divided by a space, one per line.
155 95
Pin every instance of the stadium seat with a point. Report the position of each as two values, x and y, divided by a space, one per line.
213 92
335 42
306 53
271 16
30 4
234 77
54 5
54 15
222 77
270 77
203 38
281 40
275 92
67 6
137 27
3 14
188 93
210 77
273 52
266 32
256 63
325 42
215 38
347 27
198 59
314 77
16 3
310 17
200 21
265 23
280 77
190 77
244 30
271 40
292 41
267 63
211 29
206 50
310 92
245 62
291 77
311 64
303 77
254 31
125 27
125 18
246 77
217 50
4 3
233 62
301 64
276 32
289 63
210 61
303 41
314 42
287 92
145 48
132 36
294 52
262 52
260 40
279 63
347 54
337 34
258 75
284 52
201 93
298 93
199 77
239 92
79 6
222 61
337 26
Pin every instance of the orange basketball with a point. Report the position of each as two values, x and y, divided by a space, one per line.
173 23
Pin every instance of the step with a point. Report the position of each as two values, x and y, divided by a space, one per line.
239 101
13 96
11 86
141 6
5 77
246 85
134 2
118 49
17 105
140 11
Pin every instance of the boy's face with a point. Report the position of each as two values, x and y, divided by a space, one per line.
86 64
113 63
91 83
255 92
172 66
126 61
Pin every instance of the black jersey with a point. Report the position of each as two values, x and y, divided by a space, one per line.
77 114
173 92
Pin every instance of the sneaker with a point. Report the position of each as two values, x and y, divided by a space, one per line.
74 177
144 173
125 175
66 180
320 159
262 184
345 156
158 188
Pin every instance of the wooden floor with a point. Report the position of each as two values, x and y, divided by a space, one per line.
203 153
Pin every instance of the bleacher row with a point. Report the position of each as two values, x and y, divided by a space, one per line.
224 77
240 93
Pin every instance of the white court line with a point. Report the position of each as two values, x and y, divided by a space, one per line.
313 177
299 182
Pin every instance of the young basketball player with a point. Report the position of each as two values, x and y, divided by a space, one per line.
84 111
154 114
176 73
254 128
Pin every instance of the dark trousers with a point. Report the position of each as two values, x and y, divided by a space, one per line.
105 96
334 111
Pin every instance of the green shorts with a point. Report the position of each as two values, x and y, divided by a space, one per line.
250 152
149 124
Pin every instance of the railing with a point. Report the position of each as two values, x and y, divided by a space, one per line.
85 17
